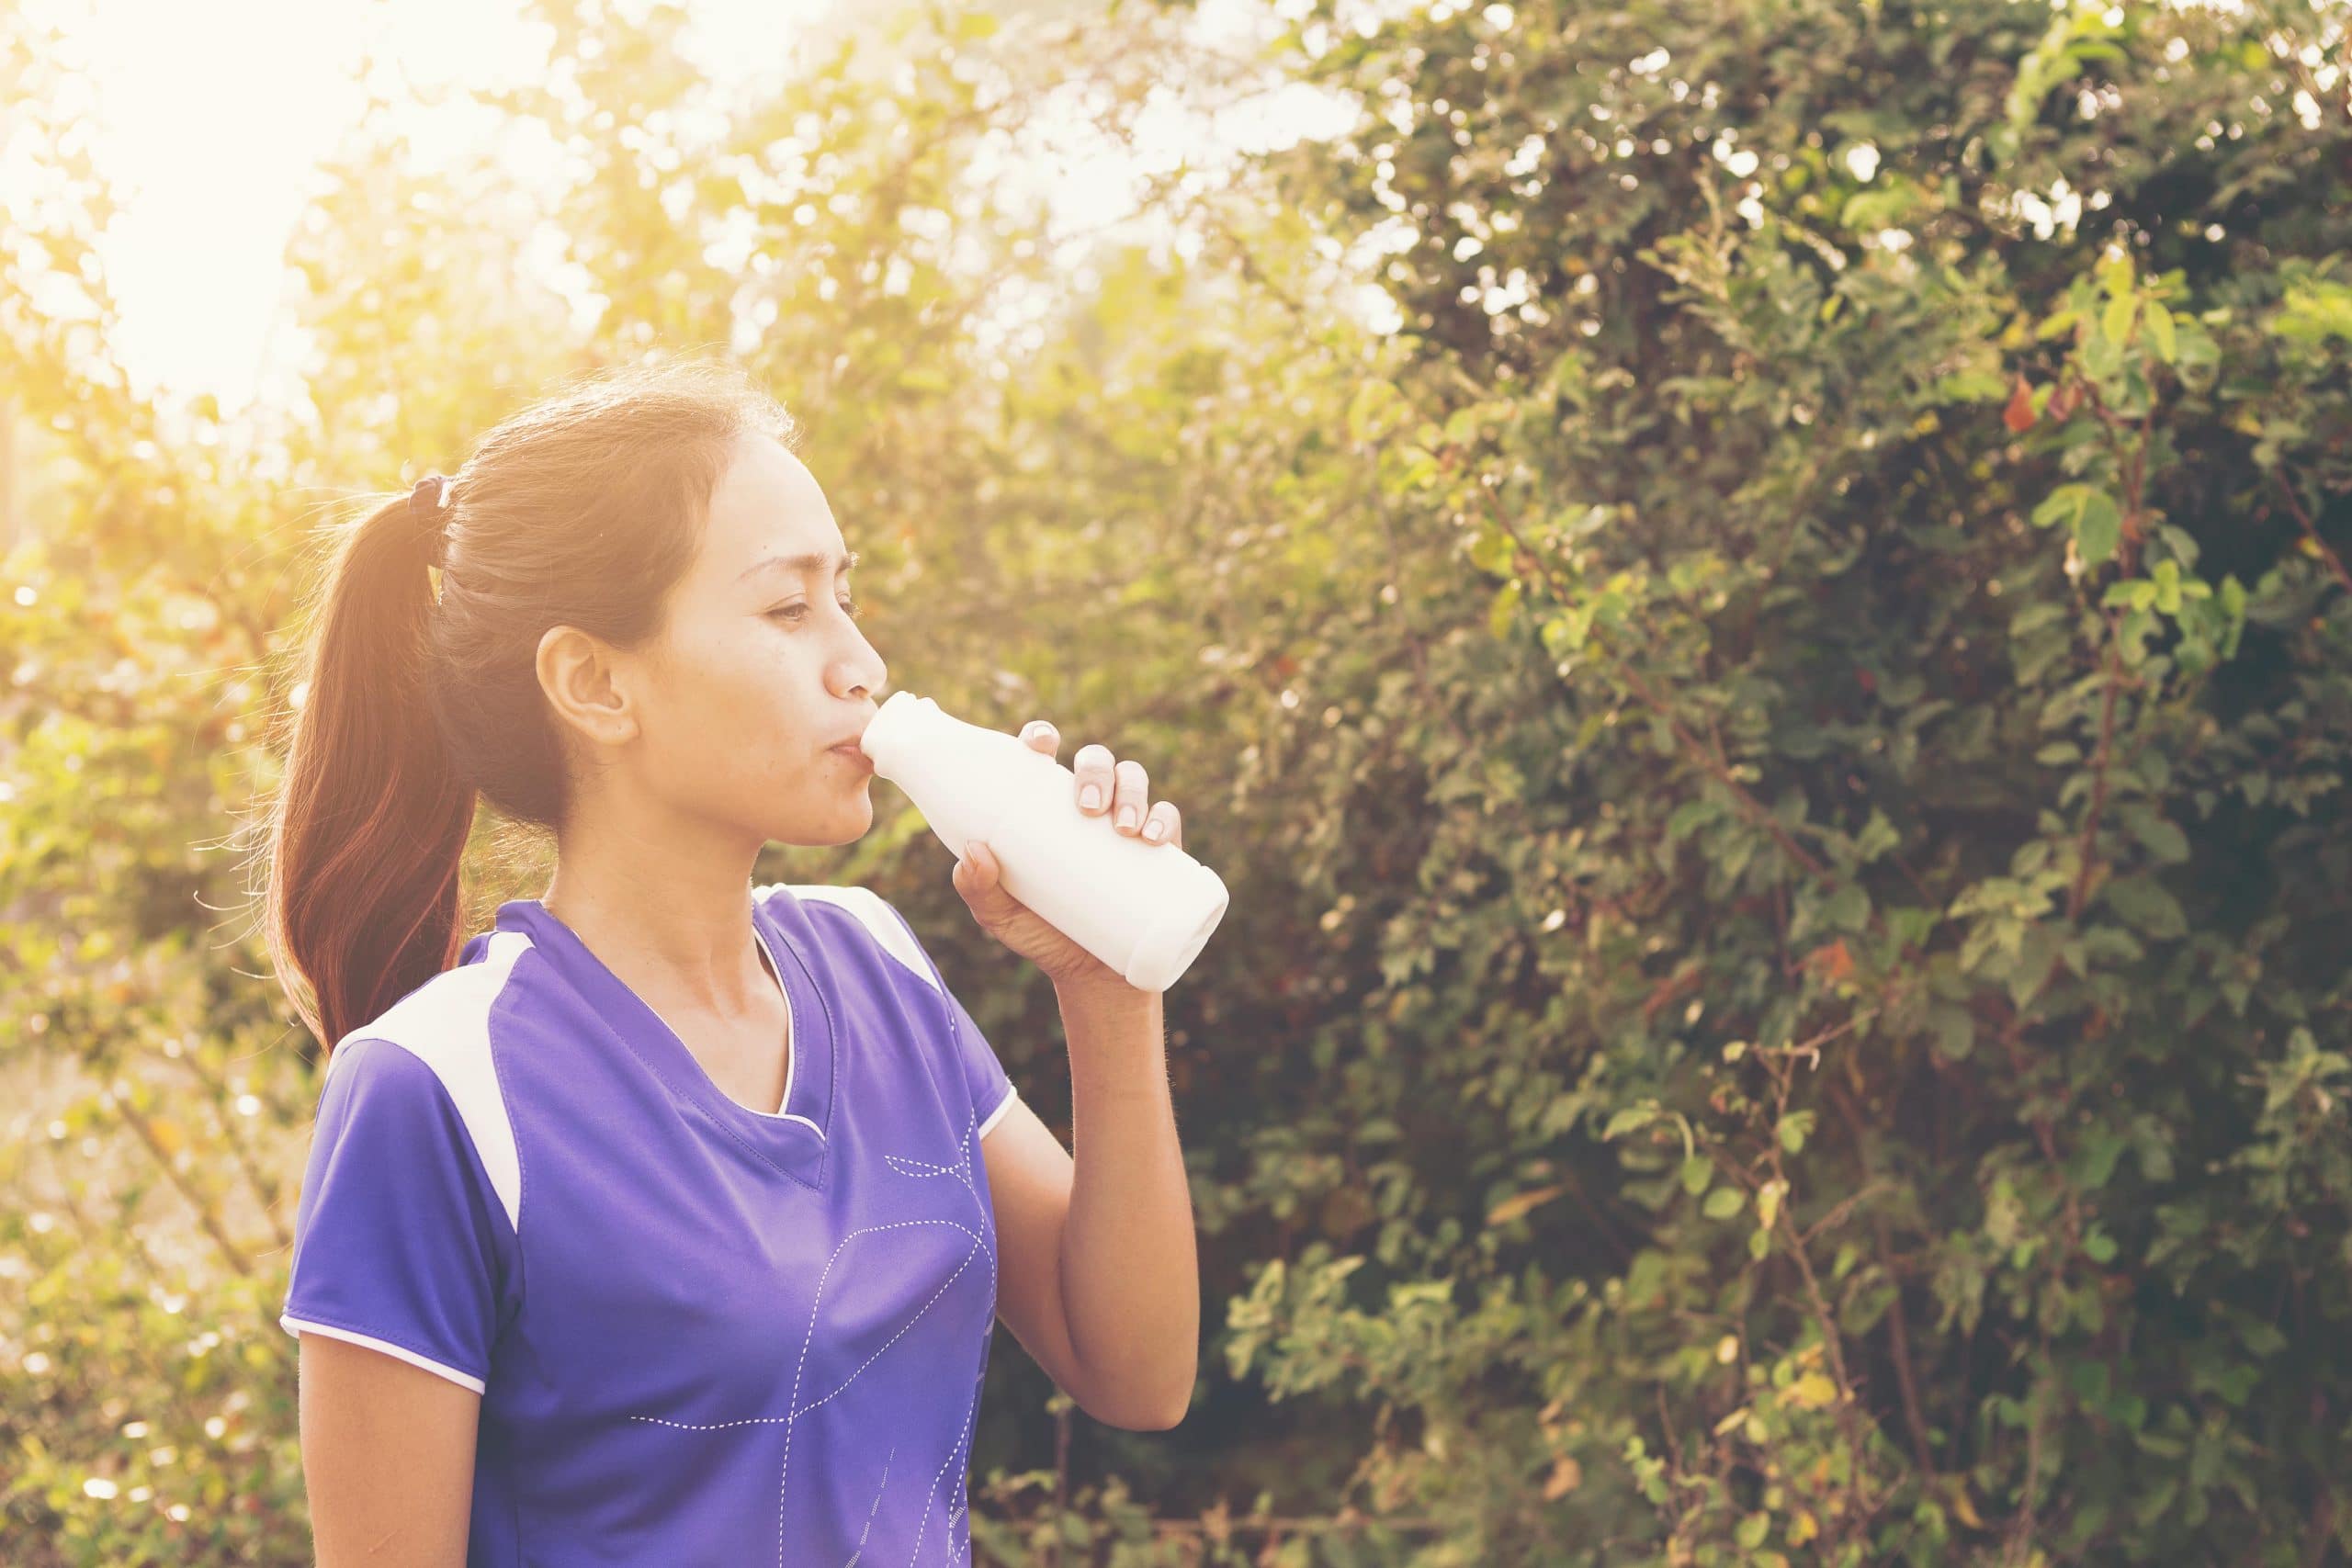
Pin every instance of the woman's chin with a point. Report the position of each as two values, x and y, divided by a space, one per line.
843 820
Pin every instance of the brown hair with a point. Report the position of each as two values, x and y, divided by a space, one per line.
581 510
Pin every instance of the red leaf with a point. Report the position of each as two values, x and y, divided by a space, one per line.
2019 416
1833 961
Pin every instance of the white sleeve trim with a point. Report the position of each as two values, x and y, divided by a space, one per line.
298 1327
1011 1094
445 1021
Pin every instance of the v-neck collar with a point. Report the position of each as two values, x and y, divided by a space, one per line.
794 1139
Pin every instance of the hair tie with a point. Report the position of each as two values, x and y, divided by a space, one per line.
428 503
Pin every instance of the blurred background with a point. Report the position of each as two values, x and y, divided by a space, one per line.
1751 598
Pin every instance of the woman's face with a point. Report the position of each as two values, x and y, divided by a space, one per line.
759 670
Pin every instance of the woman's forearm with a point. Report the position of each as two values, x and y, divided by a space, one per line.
1130 1272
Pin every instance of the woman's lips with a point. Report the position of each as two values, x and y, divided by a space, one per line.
855 755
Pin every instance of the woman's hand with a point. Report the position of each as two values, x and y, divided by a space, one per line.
1119 788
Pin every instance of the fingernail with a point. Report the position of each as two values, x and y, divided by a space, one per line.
1154 829
1090 797
969 846
1127 817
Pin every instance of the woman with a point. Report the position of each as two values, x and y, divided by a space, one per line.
668 1224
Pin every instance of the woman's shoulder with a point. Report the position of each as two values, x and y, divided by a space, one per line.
446 1020
436 1044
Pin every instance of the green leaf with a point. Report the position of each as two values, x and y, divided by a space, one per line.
2143 901
2314 311
1724 1203
1490 550
2101 358
1685 816
2056 323
1955 1032
2162 838
2095 1157
2115 321
2002 1214
1848 907
1811 1391
1567 632
2098 526
1504 611
1878 836
2060 506
1629 1118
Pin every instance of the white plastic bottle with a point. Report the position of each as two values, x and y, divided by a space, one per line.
1144 909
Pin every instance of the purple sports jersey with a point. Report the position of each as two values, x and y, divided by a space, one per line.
704 1335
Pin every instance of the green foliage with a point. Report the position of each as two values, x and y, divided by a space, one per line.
1861 809
1779 747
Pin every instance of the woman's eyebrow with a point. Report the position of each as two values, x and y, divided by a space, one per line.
808 561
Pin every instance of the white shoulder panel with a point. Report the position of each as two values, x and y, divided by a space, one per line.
447 1022
873 911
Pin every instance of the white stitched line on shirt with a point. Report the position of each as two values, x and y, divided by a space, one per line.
961 1170
979 1238
784 1472
964 1152
870 1512
955 1511
972 1413
971 1410
869 1360
803 1410
923 1522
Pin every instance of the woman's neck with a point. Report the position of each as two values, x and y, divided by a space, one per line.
664 905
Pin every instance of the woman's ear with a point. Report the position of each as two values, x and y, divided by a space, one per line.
585 686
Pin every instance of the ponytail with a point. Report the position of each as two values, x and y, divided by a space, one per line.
370 823
581 510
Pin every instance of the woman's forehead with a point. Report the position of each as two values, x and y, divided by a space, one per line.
768 516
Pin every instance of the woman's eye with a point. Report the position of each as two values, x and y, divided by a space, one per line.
794 614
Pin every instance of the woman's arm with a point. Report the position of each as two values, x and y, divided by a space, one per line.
1099 1277
388 1458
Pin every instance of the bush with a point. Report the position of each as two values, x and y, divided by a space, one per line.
1833 977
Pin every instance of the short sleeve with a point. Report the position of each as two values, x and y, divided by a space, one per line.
984 1075
401 1243
991 1087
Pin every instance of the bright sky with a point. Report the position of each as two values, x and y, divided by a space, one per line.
211 117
